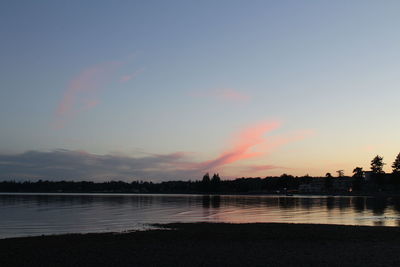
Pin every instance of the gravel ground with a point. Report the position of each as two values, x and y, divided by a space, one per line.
212 244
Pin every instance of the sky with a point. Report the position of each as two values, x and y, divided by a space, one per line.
168 90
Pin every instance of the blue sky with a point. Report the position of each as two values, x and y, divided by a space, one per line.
146 79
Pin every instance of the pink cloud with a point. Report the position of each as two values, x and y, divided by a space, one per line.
257 168
371 148
248 140
277 141
128 77
92 103
242 147
224 94
87 81
250 143
81 92
229 94
243 144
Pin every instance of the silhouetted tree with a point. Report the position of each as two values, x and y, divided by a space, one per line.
377 165
358 175
206 178
216 178
205 182
286 181
396 164
377 169
358 172
396 170
328 181
340 173
215 183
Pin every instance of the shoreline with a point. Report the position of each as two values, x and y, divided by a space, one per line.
365 194
212 244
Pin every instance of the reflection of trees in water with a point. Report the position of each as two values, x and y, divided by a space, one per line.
78 200
211 201
281 202
287 202
215 202
396 204
340 203
307 203
344 203
206 201
376 205
46 200
284 202
359 204
330 203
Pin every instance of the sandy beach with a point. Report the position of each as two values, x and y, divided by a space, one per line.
204 244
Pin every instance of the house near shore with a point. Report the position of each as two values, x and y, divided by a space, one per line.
312 187
342 185
369 177
337 185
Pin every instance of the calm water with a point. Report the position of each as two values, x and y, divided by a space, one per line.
36 214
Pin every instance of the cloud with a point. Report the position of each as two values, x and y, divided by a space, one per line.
257 168
223 94
128 77
81 165
242 145
280 140
81 94
252 143
372 148
249 143
229 94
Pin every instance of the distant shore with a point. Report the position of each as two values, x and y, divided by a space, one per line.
212 244
353 194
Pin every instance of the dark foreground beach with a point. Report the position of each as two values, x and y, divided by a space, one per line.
204 244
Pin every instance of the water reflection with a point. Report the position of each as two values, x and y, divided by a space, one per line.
211 201
359 204
32 214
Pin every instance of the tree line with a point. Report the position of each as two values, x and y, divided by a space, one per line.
208 184
214 184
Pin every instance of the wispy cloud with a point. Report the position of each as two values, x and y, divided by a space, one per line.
276 141
252 142
372 148
230 94
128 77
249 143
81 94
81 165
223 94
242 146
257 168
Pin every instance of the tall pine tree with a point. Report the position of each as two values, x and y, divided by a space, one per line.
377 165
396 165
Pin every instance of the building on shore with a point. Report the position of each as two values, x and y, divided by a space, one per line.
312 187
321 185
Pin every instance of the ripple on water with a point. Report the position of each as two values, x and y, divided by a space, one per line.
37 214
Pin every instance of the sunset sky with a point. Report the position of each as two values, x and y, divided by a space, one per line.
164 90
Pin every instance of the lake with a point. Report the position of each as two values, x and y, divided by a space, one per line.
37 214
